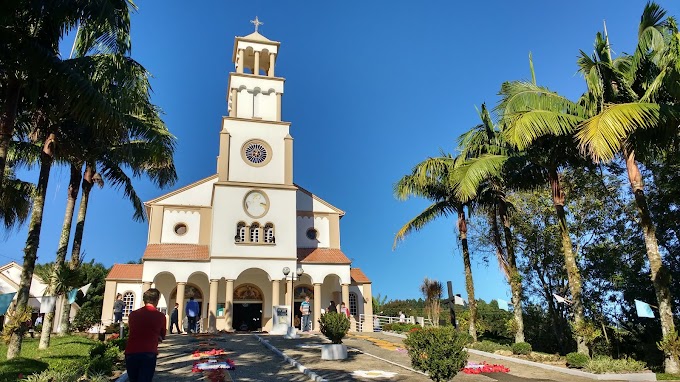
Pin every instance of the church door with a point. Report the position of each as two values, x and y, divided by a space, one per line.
248 310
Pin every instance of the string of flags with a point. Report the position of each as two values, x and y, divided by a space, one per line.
47 303
5 300
643 309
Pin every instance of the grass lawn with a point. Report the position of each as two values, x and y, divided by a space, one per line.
64 353
667 377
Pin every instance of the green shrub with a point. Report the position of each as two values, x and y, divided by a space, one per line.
437 351
486 345
54 376
334 326
98 349
577 360
100 365
603 364
86 318
120 343
523 348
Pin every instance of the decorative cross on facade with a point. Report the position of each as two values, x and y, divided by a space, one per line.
257 23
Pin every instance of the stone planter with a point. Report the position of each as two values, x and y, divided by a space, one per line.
333 352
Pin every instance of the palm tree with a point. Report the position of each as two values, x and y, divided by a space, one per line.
540 123
436 187
484 176
31 32
146 148
633 101
15 200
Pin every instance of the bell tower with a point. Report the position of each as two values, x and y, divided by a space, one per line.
255 145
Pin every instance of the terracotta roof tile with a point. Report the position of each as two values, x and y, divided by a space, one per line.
358 276
322 255
126 272
176 252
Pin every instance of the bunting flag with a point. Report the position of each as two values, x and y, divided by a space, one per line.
72 295
85 288
458 300
559 298
47 304
5 300
643 309
502 304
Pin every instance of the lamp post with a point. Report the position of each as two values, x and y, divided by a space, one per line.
299 273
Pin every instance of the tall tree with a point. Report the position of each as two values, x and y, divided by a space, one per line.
437 188
31 32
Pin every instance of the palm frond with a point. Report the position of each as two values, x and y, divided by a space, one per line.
601 136
435 210
468 177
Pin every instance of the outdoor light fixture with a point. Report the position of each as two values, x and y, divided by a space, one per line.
286 272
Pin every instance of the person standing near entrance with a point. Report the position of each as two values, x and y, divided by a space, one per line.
147 329
174 319
192 312
118 308
305 309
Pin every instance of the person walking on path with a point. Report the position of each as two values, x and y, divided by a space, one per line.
174 319
192 313
305 309
118 308
147 329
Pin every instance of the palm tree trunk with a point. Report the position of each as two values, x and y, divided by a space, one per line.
660 276
469 285
77 241
9 112
515 278
570 263
31 248
71 197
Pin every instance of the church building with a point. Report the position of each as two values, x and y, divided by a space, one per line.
239 240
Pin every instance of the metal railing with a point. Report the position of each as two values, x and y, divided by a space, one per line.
378 321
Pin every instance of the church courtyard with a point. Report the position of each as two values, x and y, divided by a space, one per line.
368 352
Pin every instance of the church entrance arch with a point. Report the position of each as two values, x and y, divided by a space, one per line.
248 307
190 290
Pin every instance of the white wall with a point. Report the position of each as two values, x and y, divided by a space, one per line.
320 224
192 219
197 196
228 212
243 131
135 288
307 203
180 269
318 272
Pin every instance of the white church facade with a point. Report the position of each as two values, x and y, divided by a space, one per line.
225 240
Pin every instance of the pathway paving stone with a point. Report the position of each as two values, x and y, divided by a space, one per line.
256 363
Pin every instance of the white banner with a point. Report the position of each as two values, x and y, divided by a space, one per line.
47 304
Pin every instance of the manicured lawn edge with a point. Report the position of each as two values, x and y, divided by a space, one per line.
643 376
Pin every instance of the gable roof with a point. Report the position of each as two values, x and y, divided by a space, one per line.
358 276
318 199
322 256
180 190
126 272
191 252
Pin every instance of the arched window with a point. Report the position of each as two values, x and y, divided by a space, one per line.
353 304
269 233
254 233
129 300
240 232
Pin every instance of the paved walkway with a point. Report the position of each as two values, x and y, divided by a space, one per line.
367 352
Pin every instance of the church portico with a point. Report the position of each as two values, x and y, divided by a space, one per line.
227 238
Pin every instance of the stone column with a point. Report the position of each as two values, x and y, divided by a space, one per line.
290 299
278 106
232 111
229 306
241 61
212 306
317 307
180 308
276 292
368 308
109 298
272 58
146 285
345 295
256 67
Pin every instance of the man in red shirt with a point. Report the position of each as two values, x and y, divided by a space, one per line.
147 329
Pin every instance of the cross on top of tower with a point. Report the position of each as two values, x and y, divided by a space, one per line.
257 23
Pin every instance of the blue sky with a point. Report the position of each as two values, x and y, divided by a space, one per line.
372 88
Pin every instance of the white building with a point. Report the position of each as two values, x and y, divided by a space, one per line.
226 239
10 279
